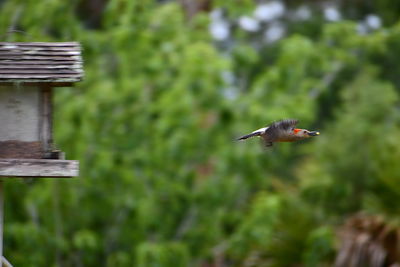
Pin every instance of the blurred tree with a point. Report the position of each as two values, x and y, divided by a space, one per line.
153 123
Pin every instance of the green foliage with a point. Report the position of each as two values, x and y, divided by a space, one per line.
366 128
281 231
174 254
153 125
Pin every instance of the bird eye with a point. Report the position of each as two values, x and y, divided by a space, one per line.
304 131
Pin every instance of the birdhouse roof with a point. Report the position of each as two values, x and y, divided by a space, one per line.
56 62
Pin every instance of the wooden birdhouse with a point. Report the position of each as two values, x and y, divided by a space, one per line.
29 72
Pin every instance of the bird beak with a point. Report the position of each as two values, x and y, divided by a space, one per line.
313 133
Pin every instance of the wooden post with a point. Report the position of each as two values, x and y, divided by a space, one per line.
1 220
46 119
3 261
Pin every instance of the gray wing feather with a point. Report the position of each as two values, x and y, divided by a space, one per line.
278 128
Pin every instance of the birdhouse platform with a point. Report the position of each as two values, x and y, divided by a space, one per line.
29 72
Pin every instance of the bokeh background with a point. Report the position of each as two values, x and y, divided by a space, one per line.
168 87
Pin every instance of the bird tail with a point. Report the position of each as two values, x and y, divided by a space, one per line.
248 136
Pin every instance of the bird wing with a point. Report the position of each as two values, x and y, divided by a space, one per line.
261 130
280 128
255 133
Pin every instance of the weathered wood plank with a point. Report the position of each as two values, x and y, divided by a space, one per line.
60 82
19 122
41 62
39 43
33 57
34 72
39 168
46 118
45 48
32 82
38 76
39 53
10 66
13 149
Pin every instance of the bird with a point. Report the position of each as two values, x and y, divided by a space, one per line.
281 131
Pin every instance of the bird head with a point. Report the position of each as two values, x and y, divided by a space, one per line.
303 133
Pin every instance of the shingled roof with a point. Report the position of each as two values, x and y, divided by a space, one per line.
40 62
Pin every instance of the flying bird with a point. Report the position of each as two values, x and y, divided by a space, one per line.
281 131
